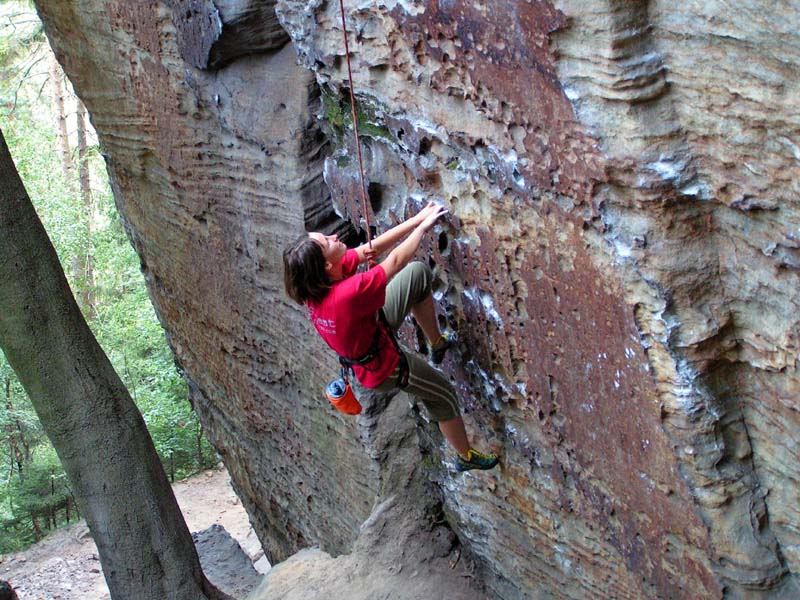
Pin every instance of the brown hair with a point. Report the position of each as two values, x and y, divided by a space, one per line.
304 275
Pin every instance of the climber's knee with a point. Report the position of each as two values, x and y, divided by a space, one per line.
420 280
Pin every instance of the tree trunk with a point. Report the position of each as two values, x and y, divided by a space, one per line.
85 260
15 435
21 439
74 505
9 428
144 545
53 506
36 528
82 261
199 446
61 117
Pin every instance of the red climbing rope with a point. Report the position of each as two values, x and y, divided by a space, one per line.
355 128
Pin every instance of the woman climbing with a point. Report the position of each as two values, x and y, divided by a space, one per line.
320 273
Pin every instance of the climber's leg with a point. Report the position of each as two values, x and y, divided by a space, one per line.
410 291
453 430
408 288
429 385
425 314
440 342
438 396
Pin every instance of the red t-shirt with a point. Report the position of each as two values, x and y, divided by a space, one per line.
346 319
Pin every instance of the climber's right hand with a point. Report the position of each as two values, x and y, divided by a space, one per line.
432 213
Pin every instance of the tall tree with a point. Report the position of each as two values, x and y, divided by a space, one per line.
18 446
82 267
85 266
120 486
57 89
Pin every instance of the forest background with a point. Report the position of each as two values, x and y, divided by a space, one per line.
59 160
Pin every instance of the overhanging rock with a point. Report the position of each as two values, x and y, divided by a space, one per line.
620 262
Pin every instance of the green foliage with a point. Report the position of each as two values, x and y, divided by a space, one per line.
38 496
33 486
19 30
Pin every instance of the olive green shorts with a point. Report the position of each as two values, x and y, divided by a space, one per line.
409 287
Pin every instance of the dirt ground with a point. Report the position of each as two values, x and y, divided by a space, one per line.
65 566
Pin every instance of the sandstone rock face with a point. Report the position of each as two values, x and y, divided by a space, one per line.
620 262
211 170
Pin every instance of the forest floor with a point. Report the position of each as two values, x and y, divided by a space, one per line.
65 565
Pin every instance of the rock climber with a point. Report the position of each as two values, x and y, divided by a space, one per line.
320 273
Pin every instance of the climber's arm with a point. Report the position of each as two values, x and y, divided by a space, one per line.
386 240
402 254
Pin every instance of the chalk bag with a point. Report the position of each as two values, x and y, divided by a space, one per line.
342 397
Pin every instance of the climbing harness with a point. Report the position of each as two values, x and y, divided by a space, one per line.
339 392
375 350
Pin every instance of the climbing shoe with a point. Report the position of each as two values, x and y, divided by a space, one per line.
440 347
475 460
